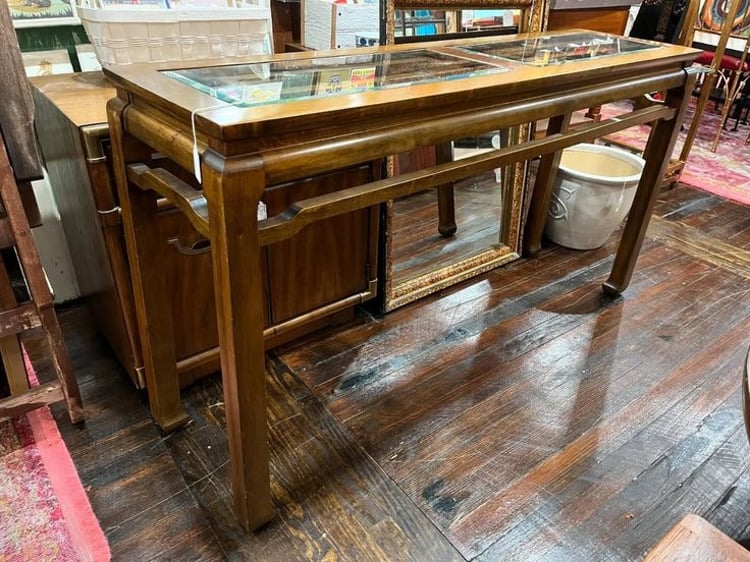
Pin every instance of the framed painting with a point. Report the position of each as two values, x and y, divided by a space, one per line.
44 63
709 23
38 13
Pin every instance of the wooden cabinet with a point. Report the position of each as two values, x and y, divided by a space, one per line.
285 15
612 19
310 280
329 259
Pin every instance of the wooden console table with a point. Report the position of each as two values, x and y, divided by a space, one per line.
276 125
71 122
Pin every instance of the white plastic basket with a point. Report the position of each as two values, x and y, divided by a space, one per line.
132 36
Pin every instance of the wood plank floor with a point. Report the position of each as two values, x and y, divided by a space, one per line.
518 416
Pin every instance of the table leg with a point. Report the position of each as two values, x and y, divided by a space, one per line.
446 197
139 214
658 151
233 197
542 191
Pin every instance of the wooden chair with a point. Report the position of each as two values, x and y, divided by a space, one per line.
15 232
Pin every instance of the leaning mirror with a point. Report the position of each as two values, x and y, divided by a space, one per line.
437 238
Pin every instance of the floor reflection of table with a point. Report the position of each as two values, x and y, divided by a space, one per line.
323 112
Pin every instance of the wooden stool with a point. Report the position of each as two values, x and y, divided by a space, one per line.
696 539
15 318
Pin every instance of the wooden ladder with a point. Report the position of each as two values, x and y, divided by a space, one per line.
15 232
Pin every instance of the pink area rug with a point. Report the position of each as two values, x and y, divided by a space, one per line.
45 514
725 173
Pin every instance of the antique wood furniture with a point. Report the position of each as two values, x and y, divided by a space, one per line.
16 111
74 135
285 16
21 156
15 232
243 129
612 19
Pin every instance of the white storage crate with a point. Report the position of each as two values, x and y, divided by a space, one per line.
122 36
326 25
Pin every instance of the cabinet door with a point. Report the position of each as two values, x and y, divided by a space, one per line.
187 267
327 261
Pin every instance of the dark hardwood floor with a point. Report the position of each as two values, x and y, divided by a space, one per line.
518 416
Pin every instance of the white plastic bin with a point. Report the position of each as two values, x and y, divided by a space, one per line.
592 194
121 36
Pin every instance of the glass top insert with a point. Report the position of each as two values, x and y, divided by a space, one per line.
282 81
560 49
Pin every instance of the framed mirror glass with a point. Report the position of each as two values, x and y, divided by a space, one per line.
437 238
421 24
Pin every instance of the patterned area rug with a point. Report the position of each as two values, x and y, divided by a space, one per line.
725 173
45 514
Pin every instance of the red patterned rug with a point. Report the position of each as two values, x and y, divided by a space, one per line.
725 173
45 514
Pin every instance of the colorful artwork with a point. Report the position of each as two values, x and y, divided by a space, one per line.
714 12
250 94
332 81
30 13
362 78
